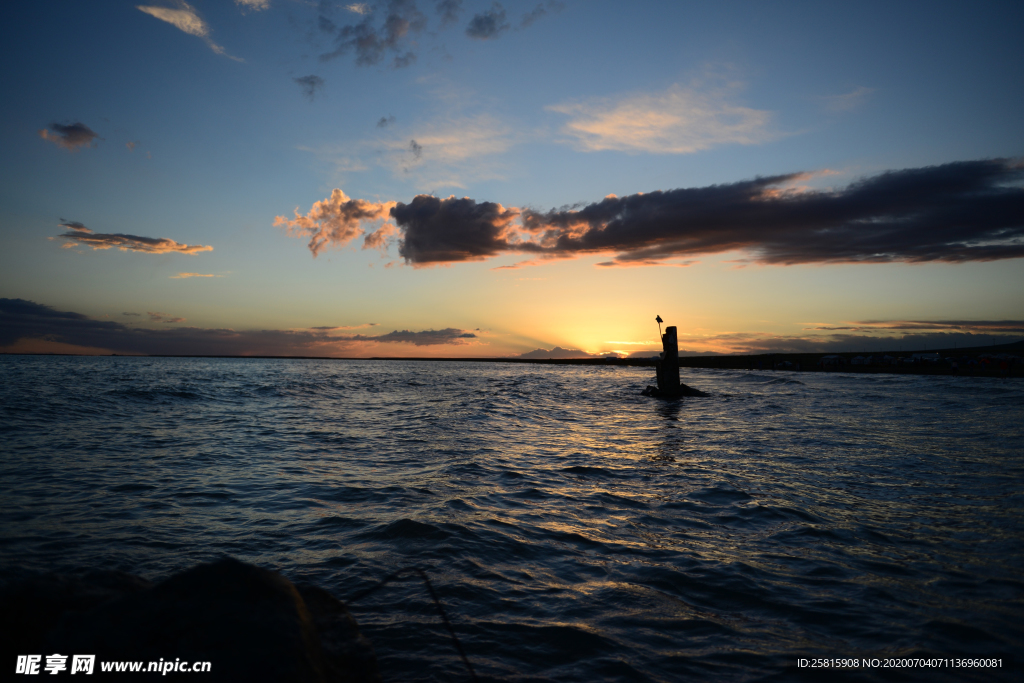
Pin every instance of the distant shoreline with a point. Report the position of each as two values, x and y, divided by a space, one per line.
802 362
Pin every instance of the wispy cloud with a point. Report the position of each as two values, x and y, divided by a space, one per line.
79 235
72 136
447 150
680 120
489 24
381 238
449 11
846 101
972 326
186 19
541 10
310 85
371 41
521 264
254 5
329 328
457 139
155 317
183 276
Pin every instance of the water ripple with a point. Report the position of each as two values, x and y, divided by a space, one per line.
576 530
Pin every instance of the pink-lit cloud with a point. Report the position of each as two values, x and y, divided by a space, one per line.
79 235
680 120
335 221
380 238
186 19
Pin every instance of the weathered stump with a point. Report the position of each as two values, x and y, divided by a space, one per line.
667 370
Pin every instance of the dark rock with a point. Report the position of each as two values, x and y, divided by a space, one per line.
682 391
250 623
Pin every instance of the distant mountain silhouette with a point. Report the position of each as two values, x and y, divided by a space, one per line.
558 352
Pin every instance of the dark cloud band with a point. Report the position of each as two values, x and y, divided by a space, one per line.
21 319
958 212
964 211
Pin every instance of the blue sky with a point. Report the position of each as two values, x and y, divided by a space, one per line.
206 121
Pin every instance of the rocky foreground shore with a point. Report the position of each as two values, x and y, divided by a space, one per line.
251 624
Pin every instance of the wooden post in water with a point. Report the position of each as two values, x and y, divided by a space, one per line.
668 366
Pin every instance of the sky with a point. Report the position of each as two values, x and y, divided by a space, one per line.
460 178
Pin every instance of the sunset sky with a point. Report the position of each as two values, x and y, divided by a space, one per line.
460 178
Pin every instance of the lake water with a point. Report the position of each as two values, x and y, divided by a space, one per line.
574 530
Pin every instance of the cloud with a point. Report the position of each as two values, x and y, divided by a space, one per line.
444 230
451 149
449 335
131 145
644 262
521 264
954 213
416 149
79 235
26 321
972 326
677 121
255 5
963 211
182 276
489 24
540 11
329 328
557 352
163 318
134 314
186 19
371 42
359 8
449 11
847 101
401 61
335 221
385 121
71 137
759 342
381 238
310 84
